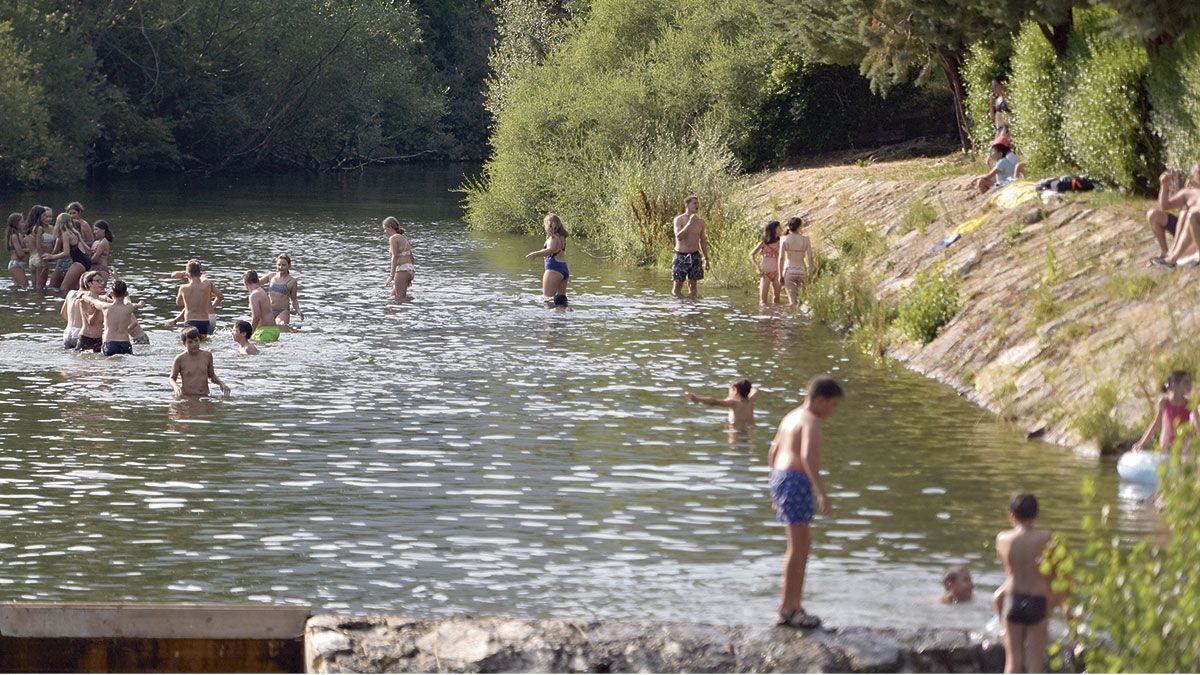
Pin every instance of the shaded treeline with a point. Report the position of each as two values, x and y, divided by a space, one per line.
232 85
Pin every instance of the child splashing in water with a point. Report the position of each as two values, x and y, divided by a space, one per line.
740 402
767 265
1172 411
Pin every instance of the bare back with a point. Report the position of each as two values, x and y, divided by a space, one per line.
260 309
789 449
1020 551
796 250
689 230
118 317
197 295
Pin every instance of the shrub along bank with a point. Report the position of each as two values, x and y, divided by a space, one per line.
1106 106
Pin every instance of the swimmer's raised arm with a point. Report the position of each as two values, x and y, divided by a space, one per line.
217 295
708 400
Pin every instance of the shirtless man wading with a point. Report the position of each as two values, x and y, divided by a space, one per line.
690 244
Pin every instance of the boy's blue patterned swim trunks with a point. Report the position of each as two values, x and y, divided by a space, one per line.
792 494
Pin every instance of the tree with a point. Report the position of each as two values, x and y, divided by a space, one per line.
526 30
1154 23
894 41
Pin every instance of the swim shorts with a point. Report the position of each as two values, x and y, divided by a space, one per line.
205 327
115 347
266 334
687 266
89 344
792 494
1027 610
71 337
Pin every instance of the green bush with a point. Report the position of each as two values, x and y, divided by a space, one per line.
643 190
982 64
1104 109
1096 422
920 215
1135 607
1033 92
24 122
641 97
930 304
1174 91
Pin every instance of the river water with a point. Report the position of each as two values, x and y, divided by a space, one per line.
470 451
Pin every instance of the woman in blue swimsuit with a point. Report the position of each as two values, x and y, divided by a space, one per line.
554 279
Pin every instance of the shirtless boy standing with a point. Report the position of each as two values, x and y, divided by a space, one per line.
691 244
261 318
73 315
198 298
118 319
740 402
1027 591
795 463
194 367
795 259
93 319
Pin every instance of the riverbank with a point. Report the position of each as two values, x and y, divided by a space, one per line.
366 644
1062 328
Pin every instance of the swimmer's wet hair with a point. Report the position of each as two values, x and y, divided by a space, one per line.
560 300
193 268
824 386
74 206
1175 379
284 256
742 387
1024 506
250 277
953 574
189 333
244 328
120 289
391 222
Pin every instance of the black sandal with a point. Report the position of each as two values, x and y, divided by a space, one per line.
798 618
1161 261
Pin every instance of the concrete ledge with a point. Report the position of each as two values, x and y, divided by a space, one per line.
376 644
148 620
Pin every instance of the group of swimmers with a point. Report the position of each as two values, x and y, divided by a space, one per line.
53 251
1022 602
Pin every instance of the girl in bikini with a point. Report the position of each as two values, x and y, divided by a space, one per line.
73 258
14 240
102 247
404 263
554 278
768 265
41 243
282 288
795 259
75 210
1172 411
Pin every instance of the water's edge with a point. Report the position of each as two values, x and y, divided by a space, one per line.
377 643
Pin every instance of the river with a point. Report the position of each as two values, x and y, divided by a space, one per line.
470 451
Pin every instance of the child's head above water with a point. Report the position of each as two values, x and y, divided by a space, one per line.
740 387
561 300
824 395
194 269
1023 508
250 278
120 289
1178 381
190 336
958 584
242 328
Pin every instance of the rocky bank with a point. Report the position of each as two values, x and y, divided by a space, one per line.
376 644
1063 328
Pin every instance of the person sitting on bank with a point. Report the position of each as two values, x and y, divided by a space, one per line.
1162 221
1006 168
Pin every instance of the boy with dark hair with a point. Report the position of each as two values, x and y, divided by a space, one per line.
118 319
1026 591
958 585
194 367
241 335
739 400
795 463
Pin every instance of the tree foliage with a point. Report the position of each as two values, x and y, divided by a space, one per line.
223 86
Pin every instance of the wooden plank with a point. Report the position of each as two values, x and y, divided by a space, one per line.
169 621
143 655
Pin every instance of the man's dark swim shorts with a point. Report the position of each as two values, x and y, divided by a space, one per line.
687 266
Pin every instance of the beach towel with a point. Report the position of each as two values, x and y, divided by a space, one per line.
957 233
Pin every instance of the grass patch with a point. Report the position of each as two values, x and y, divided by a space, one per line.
1094 421
1128 285
1012 233
920 215
930 304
